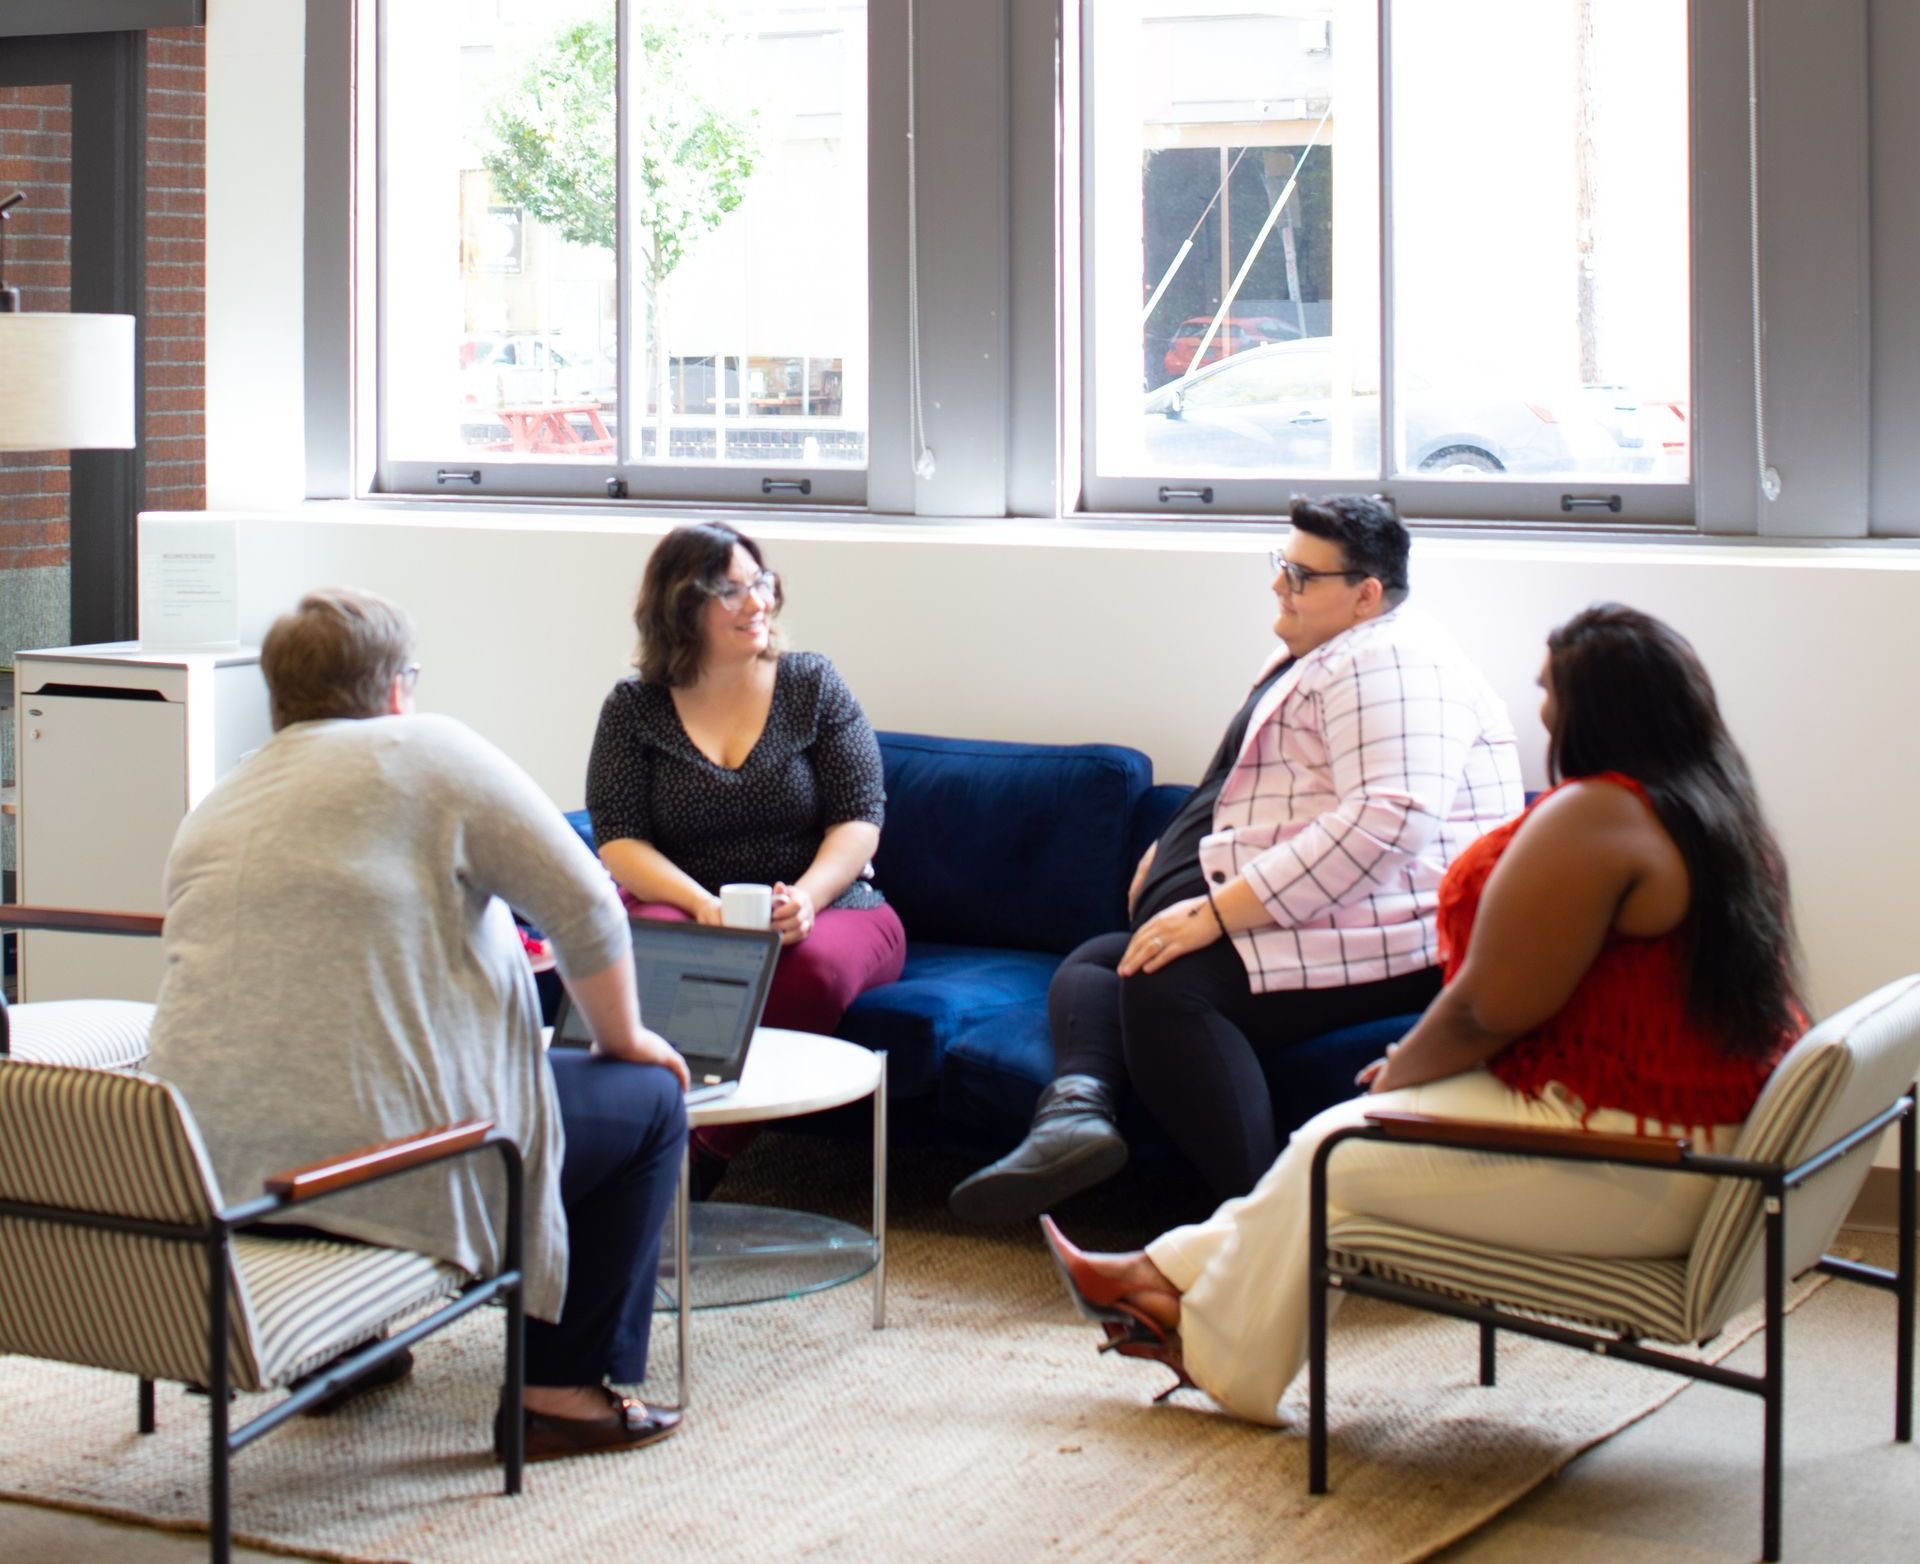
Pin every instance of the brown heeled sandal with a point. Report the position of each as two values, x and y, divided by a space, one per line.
1148 1339
1130 1332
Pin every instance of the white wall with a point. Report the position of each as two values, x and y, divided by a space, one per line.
256 151
1150 638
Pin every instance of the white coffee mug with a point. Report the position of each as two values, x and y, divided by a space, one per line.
746 906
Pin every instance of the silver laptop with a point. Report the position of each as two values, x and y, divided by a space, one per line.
702 989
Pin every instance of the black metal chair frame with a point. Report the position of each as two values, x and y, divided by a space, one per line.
216 1239
1776 1182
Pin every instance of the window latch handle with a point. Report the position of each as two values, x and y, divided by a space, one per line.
786 486
445 475
1570 502
1204 494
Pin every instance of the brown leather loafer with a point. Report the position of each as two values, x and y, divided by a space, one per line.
628 1425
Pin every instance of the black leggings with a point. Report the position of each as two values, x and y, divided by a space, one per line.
1195 1043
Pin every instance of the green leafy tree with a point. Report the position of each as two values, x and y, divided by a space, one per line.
554 151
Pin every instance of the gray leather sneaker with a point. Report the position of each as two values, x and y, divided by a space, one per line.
1072 1146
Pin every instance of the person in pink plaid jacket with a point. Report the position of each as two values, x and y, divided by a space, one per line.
1295 891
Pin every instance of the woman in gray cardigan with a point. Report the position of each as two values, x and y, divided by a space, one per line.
341 968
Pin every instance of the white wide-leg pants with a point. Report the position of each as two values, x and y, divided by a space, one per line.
1242 1273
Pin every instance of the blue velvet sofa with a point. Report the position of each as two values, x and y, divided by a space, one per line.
1000 859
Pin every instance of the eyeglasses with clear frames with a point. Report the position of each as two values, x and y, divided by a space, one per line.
731 594
1300 577
409 677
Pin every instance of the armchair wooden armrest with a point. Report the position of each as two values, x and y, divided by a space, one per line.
78 920
371 1162
1430 1129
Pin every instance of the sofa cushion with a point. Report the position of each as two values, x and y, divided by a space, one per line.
945 992
1022 845
996 1070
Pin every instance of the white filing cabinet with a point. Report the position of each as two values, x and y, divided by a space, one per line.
113 746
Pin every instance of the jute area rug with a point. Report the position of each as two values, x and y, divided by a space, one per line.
980 1425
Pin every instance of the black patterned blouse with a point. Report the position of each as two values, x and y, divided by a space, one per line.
814 766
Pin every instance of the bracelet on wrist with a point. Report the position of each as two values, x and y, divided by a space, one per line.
1214 907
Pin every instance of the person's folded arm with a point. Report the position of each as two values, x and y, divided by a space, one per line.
1397 756
1542 921
652 876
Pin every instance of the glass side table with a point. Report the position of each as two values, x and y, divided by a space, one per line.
757 1254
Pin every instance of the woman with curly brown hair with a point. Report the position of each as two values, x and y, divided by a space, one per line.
728 760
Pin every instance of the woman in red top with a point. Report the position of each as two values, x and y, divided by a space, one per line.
1620 958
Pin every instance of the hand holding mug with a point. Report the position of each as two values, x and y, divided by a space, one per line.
793 913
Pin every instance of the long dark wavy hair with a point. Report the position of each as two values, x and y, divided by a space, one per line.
684 570
1632 696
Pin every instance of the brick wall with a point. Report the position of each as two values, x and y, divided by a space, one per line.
36 139
35 143
176 269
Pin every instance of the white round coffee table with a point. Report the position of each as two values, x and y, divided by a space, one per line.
752 1254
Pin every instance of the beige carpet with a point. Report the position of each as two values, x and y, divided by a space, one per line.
980 1425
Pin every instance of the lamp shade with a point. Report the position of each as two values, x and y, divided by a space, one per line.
66 382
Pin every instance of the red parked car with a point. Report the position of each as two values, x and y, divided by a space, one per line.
1237 333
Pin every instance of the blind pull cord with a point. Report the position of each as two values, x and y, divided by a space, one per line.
1769 476
923 464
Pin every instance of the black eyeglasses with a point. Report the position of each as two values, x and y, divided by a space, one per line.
765 586
1300 576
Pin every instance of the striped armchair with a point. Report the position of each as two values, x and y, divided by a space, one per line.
104 1034
118 1251
1782 1195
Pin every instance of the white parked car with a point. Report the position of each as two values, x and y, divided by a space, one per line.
1271 409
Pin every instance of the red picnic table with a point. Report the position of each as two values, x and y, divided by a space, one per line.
548 429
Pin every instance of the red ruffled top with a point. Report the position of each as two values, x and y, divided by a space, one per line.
1623 1039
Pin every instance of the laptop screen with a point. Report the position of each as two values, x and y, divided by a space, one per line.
700 988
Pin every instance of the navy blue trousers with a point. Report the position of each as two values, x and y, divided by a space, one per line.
625 1126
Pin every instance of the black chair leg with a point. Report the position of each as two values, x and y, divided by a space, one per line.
146 1406
219 1380
1904 1279
1489 1349
1319 1278
513 1423
1774 1395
